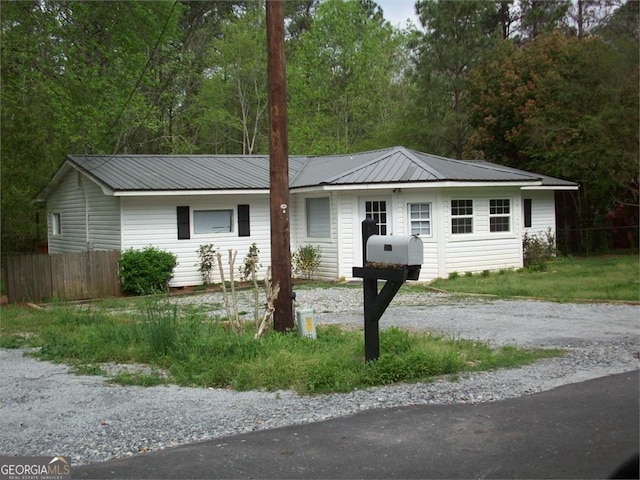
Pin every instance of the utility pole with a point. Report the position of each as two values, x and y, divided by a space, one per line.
279 167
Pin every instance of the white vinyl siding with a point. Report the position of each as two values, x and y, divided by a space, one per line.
483 254
543 212
153 221
330 261
104 218
88 219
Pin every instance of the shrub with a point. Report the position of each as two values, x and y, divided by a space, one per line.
207 256
538 250
251 263
306 260
147 271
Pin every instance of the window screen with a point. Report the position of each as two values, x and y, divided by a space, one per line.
318 217
212 221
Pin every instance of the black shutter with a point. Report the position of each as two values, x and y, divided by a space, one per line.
244 229
527 212
184 229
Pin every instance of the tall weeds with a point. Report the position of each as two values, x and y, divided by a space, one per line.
196 350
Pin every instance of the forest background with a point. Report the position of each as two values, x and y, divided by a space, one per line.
542 85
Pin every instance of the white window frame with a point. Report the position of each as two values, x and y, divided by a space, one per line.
466 216
214 231
316 208
56 224
421 219
499 209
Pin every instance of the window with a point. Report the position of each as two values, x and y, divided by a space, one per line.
318 217
244 223
527 212
461 216
378 211
500 215
56 223
420 218
184 227
212 221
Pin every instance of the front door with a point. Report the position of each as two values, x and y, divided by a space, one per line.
377 209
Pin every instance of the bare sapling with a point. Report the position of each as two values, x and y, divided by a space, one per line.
256 296
225 295
272 295
251 266
234 298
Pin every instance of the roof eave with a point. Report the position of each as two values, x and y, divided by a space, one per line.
422 184
65 169
155 193
553 187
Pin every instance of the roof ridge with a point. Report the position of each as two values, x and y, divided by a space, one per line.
424 165
305 161
385 152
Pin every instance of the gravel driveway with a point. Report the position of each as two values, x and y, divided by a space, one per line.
47 411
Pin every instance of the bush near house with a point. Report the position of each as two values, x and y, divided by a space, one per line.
147 271
306 260
538 250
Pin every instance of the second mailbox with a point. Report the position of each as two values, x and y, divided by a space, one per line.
395 250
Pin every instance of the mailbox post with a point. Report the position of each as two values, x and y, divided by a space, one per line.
394 259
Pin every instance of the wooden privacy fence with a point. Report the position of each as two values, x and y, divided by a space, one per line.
62 276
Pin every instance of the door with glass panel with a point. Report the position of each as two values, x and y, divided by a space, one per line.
378 210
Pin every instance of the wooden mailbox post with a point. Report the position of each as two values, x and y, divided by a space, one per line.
393 259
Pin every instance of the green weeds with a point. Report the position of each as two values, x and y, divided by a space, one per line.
186 347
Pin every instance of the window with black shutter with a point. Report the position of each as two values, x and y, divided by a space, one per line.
244 228
184 228
527 212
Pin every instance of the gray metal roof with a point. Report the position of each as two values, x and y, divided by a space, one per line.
133 173
547 181
399 164
180 172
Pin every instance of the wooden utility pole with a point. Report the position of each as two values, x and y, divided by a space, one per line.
279 167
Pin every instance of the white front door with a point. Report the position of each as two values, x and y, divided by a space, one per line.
378 208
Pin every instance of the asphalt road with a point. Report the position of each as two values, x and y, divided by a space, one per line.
582 430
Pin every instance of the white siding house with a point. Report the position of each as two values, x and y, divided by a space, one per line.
471 216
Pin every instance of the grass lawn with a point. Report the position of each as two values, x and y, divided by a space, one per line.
605 278
186 347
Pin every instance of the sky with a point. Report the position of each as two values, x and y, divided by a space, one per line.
397 11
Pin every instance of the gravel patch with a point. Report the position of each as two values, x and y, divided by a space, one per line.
48 411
